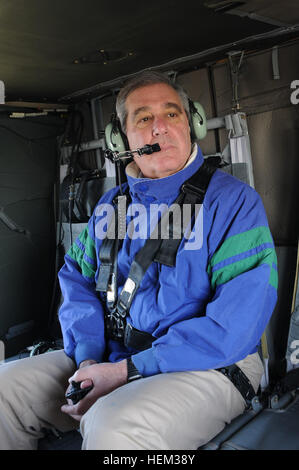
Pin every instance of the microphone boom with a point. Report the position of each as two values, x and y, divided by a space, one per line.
149 149
115 156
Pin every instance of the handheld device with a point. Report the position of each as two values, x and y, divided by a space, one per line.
76 393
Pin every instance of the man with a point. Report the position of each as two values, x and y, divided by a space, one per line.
205 313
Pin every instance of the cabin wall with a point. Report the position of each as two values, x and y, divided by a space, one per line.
273 123
28 177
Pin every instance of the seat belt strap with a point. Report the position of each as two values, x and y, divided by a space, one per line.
240 381
193 193
108 254
110 245
136 339
139 266
116 317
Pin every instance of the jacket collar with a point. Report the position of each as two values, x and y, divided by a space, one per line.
162 189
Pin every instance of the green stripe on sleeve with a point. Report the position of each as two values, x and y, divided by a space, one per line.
77 253
238 246
89 244
240 243
226 273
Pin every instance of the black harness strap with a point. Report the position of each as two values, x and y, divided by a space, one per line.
111 244
136 339
240 381
192 193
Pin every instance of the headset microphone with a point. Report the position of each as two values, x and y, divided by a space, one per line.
148 149
115 156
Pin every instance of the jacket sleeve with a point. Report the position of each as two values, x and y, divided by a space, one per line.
242 268
81 313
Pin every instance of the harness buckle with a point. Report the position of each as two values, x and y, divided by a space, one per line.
128 289
115 325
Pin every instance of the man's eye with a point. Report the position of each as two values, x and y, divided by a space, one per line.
172 115
143 121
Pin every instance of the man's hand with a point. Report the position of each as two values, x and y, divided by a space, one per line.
104 377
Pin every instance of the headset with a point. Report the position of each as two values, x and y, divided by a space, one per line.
198 124
116 139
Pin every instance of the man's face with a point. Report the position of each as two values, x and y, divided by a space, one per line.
156 115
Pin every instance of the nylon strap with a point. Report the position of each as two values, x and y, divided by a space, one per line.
193 192
110 246
240 381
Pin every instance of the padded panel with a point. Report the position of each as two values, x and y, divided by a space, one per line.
229 430
269 430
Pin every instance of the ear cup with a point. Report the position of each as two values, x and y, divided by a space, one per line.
115 138
198 120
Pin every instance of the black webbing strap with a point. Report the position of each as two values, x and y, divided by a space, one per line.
136 339
110 245
139 266
192 193
107 255
199 182
240 381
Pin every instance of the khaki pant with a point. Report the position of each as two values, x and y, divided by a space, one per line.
181 410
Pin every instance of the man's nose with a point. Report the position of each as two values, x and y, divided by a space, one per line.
159 126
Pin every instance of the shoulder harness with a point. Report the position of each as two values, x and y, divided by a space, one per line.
155 249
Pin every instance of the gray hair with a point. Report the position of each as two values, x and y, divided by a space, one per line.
148 77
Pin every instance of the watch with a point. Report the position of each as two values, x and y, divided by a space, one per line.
133 372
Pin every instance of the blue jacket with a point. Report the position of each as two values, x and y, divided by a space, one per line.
208 311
